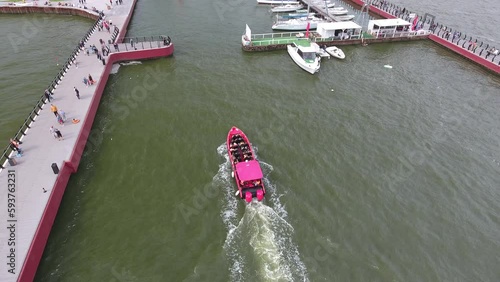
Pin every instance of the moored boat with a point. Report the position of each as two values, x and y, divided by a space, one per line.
295 16
277 2
335 52
298 24
246 169
304 57
287 8
343 18
337 11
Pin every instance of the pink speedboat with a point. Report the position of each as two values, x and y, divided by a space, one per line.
246 169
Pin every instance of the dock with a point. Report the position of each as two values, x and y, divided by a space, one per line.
33 184
279 40
479 52
462 44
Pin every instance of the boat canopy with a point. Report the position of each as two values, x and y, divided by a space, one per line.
248 170
336 28
387 25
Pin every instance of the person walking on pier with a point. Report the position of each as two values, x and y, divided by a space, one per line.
91 81
86 81
56 133
77 93
60 120
53 109
62 114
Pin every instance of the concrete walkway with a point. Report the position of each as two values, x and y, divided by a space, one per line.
31 181
460 45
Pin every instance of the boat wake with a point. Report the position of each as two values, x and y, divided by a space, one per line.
261 241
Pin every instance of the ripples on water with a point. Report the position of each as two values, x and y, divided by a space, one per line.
270 249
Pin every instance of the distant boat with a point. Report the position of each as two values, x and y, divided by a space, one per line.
277 2
338 11
322 4
343 18
287 8
304 57
296 15
297 24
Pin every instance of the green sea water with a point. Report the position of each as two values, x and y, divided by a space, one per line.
372 174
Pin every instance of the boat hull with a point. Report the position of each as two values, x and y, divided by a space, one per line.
244 190
335 52
338 11
343 18
310 68
286 8
272 2
299 25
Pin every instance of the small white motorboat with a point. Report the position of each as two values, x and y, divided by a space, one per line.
287 8
297 24
323 4
304 57
277 2
343 18
335 52
337 11
296 15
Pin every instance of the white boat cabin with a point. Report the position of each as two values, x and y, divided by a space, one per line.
387 26
339 30
308 54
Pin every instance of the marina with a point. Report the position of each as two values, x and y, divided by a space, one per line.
388 29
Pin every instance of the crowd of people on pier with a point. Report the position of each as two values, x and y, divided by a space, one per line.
443 31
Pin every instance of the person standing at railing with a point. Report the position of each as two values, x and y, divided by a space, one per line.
47 94
14 145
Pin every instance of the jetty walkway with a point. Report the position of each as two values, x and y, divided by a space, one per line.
480 52
460 43
33 184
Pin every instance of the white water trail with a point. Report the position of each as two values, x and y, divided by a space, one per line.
261 242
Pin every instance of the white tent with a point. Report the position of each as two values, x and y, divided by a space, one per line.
387 26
